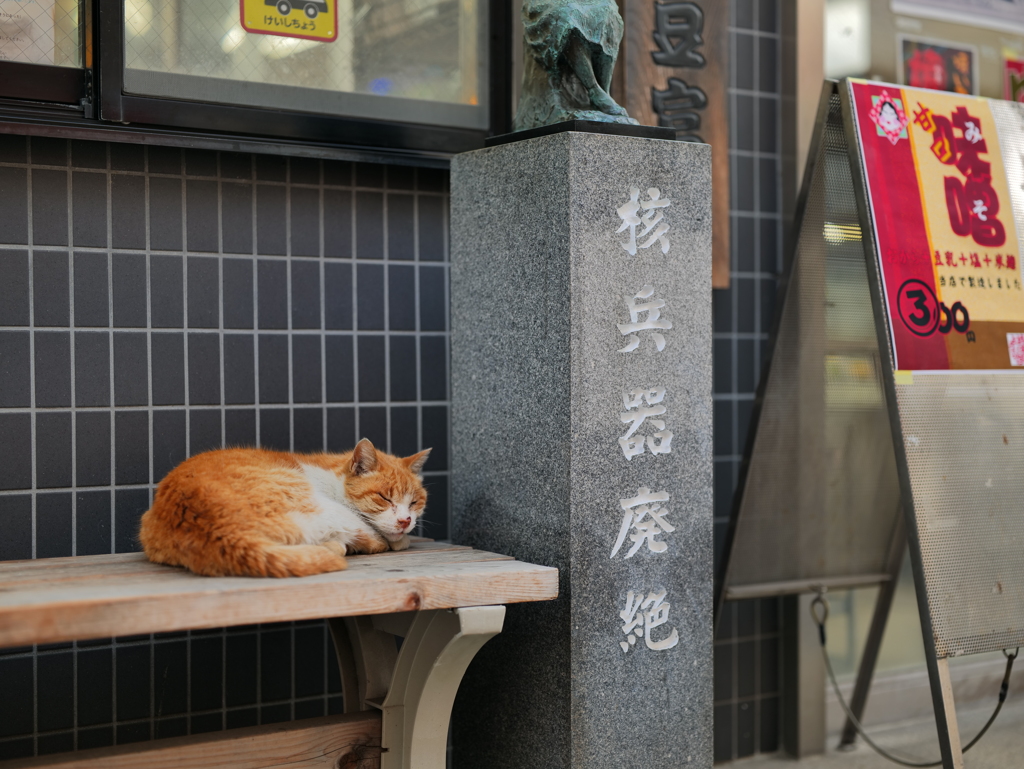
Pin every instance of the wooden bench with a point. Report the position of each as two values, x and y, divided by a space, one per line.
444 601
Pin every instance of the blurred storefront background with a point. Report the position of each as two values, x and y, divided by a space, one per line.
259 187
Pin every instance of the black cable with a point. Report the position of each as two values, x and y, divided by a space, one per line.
1003 689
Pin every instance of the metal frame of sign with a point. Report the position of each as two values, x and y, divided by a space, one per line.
919 509
726 587
938 671
962 530
760 576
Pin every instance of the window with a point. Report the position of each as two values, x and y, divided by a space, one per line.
400 60
41 32
428 77
43 49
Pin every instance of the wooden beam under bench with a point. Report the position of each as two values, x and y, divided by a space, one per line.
342 742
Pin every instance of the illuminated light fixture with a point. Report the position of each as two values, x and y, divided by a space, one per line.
232 38
138 16
841 233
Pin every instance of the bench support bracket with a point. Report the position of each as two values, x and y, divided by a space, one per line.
434 656
424 675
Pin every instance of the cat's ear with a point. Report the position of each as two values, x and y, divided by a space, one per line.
364 458
416 461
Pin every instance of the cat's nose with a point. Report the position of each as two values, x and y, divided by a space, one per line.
404 523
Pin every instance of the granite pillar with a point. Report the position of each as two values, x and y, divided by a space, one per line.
581 439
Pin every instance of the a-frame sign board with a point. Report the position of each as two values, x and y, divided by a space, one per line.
897 376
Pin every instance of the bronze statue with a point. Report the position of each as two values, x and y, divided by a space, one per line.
570 49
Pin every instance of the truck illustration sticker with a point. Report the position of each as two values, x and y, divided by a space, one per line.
305 19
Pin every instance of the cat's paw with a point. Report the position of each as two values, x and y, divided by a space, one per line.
400 544
337 547
364 542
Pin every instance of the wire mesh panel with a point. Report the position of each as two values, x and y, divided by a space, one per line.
943 175
821 493
963 437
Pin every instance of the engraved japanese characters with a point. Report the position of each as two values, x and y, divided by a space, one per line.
644 519
678 35
636 415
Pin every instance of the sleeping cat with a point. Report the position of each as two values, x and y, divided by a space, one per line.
261 513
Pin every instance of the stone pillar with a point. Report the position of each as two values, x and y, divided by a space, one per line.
581 425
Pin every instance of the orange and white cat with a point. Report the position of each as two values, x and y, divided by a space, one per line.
261 513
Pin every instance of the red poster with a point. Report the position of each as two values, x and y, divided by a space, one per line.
944 228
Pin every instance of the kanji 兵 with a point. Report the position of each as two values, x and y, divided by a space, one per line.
653 322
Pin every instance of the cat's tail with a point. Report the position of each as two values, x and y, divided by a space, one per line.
256 559
296 561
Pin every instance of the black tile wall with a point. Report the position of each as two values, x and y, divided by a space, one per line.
52 368
15 381
14 200
89 197
338 222
155 303
370 286
53 449
50 288
14 150
746 665
128 211
92 521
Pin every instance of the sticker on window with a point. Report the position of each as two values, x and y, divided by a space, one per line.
305 19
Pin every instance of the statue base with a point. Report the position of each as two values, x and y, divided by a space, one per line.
581 420
585 126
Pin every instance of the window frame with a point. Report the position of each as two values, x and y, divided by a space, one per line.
43 82
119 107
51 84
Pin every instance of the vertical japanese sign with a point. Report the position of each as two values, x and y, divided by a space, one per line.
945 233
645 414
305 19
675 75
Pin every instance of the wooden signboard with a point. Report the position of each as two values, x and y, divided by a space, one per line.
673 72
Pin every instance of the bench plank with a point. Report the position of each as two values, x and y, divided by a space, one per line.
119 595
347 742
135 566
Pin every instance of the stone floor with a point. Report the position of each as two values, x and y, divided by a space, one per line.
1001 748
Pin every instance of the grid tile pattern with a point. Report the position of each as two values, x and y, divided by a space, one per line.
155 303
747 652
